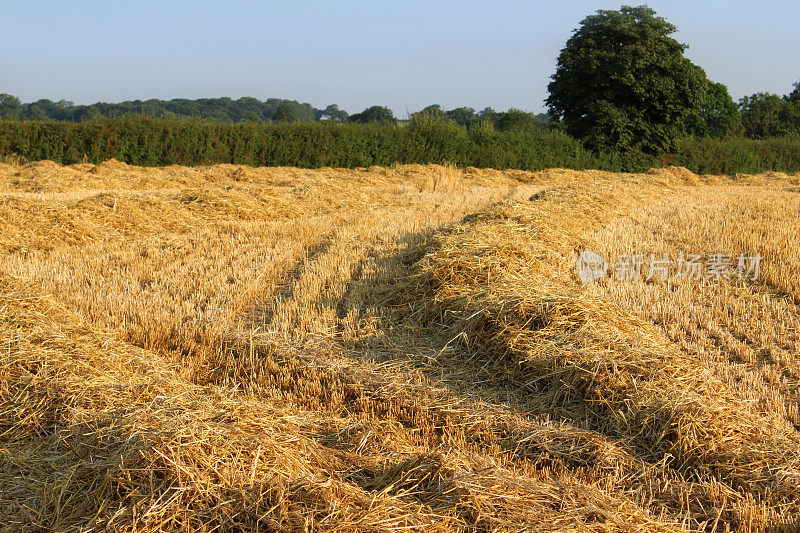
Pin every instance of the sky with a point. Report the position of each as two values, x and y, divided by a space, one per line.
401 54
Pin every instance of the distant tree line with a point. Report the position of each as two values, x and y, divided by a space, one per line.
463 116
222 109
247 110
760 116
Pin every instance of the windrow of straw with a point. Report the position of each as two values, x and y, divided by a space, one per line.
503 282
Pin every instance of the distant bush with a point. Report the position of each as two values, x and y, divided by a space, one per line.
737 155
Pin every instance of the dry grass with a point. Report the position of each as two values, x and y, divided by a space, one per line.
228 348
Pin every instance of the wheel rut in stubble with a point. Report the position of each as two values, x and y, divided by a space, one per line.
285 287
306 374
342 307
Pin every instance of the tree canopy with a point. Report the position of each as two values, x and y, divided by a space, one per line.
462 115
514 119
10 107
222 109
375 113
767 115
622 83
332 112
293 112
718 115
794 96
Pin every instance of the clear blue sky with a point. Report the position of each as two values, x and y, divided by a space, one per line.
403 54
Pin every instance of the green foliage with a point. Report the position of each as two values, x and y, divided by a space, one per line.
718 115
794 96
767 115
462 115
332 112
487 114
737 155
432 112
375 113
434 137
622 83
482 132
10 107
222 109
293 112
515 119
429 138
431 115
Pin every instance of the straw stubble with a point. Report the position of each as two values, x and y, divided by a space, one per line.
389 349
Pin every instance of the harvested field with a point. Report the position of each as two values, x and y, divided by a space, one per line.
394 349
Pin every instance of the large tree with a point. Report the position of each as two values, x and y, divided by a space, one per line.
622 82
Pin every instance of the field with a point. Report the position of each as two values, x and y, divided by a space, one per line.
405 348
